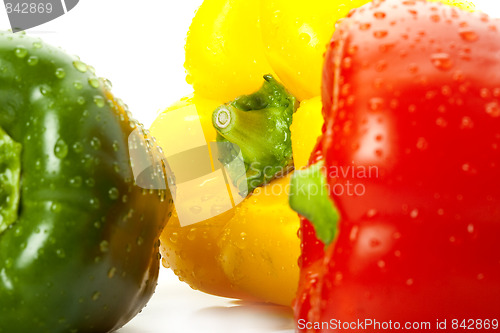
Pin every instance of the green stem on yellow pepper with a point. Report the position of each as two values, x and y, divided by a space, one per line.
258 126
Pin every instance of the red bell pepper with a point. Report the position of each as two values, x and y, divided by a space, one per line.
411 94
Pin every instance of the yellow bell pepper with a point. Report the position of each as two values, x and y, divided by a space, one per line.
251 251
224 50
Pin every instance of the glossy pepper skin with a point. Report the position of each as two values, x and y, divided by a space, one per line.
82 254
412 88
228 50
248 252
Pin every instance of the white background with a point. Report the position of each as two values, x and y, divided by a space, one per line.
139 46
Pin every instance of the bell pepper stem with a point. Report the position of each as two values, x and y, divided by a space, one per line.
258 125
310 198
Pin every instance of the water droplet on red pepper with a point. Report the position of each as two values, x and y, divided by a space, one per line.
467 34
442 61
380 33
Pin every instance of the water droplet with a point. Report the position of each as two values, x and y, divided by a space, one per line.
195 209
381 264
422 143
409 282
414 213
413 68
484 92
60 253
442 61
380 33
116 146
381 66
493 109
480 276
44 91
468 35
174 237
78 85
37 45
376 103
241 243
19 231
191 235
446 90
435 18
113 193
371 213
55 207
441 122
95 296
165 263
94 203
33 60
94 82
216 210
111 272
80 66
104 246
99 101
78 147
8 262
364 26
140 241
352 50
60 73
470 228
466 123
347 62
61 149
95 143
80 100
117 169
21 52
374 242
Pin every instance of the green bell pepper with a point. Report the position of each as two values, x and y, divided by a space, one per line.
78 238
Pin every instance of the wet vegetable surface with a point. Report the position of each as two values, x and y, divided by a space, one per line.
412 89
79 245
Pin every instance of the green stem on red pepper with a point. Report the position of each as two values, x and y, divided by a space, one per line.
309 197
